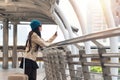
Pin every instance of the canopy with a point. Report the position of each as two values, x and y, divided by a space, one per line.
25 10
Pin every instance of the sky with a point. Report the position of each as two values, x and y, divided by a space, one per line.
22 32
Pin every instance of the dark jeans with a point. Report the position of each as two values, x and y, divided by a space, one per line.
32 73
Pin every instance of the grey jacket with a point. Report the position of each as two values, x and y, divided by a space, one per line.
35 39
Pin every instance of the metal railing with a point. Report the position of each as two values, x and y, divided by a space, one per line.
60 64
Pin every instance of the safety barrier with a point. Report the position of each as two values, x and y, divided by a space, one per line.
60 63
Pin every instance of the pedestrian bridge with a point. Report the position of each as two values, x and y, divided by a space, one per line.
67 60
61 64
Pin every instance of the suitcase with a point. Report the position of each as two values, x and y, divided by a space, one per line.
18 76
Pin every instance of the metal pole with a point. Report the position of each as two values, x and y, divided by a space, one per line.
71 66
103 60
67 25
5 43
65 21
89 37
83 24
14 55
113 40
85 68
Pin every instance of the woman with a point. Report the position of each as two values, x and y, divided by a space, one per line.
33 43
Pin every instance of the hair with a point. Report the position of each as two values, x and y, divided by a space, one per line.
36 30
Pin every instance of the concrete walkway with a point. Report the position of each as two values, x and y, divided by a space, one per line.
5 72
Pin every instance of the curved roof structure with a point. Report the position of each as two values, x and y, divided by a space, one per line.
25 10
99 15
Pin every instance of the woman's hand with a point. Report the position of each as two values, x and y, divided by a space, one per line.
55 33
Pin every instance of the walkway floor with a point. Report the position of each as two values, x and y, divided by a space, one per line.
4 73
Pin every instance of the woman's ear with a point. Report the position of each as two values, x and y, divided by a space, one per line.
40 28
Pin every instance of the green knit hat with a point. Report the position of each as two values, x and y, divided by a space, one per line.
34 24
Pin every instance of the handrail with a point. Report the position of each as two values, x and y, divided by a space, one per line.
93 36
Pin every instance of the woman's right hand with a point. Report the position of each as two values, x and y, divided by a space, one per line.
56 33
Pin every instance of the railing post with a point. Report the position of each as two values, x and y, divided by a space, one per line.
45 59
48 68
52 59
57 65
106 70
5 43
62 64
71 66
85 68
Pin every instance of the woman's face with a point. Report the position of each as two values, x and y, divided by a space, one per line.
40 28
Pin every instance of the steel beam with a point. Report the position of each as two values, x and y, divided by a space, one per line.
14 55
5 43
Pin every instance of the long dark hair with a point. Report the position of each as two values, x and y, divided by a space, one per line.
36 30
